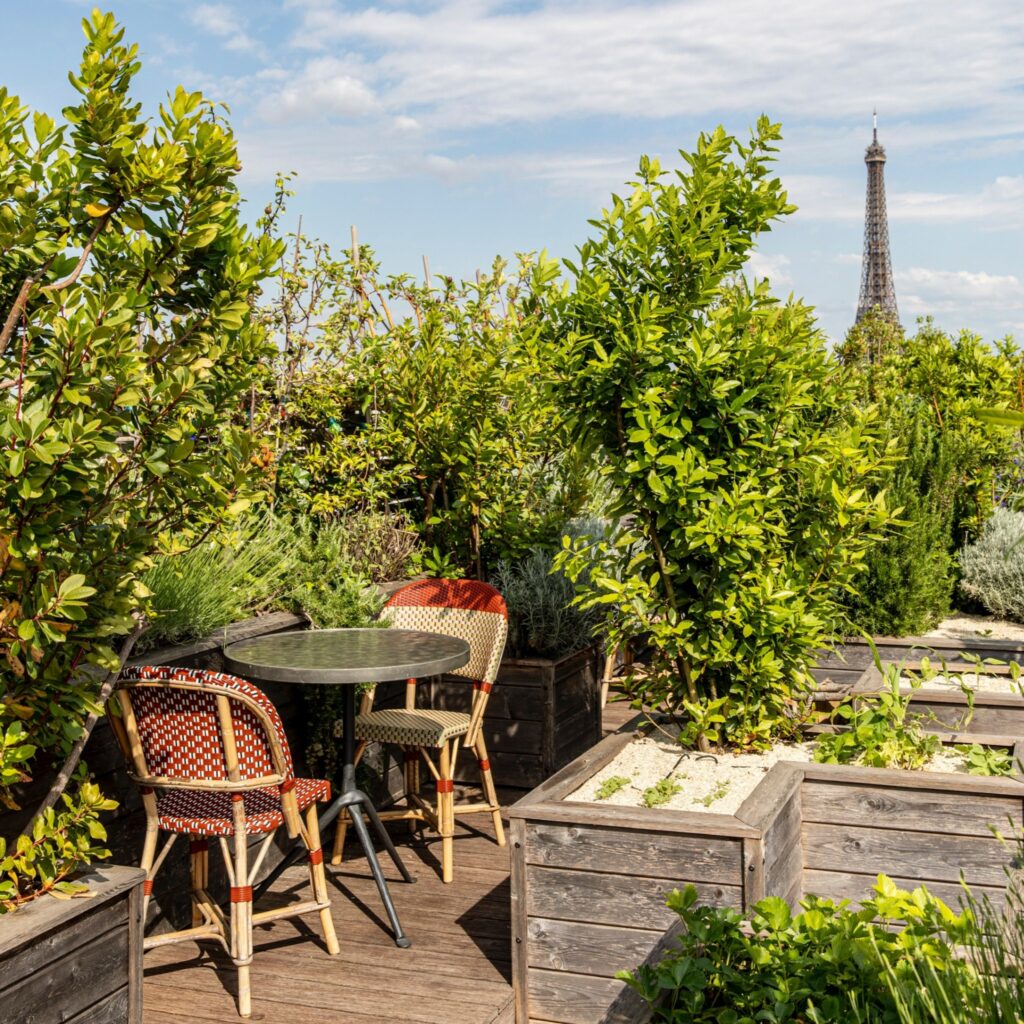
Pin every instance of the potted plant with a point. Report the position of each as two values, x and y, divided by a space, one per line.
126 340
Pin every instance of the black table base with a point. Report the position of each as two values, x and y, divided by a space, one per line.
354 801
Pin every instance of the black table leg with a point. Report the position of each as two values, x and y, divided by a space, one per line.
353 799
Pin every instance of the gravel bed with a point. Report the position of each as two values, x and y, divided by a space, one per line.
718 783
974 627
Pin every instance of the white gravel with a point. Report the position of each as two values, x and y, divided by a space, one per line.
718 783
973 627
953 682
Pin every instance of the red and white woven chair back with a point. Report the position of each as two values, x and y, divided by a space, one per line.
179 725
473 611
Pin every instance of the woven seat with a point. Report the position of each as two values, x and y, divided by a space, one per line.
210 814
211 759
474 612
420 728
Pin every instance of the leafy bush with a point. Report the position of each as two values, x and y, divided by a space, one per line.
439 413
324 584
543 619
909 577
992 567
879 731
126 341
825 964
960 379
726 432
218 582
992 993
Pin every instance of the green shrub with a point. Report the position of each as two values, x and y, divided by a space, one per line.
421 397
992 993
332 591
726 432
907 585
879 731
826 964
218 582
992 568
543 619
127 283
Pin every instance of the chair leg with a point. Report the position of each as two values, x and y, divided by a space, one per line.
340 831
490 794
318 879
446 812
199 860
146 863
411 781
241 913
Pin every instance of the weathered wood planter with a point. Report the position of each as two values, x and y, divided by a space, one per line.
988 716
540 716
76 961
843 667
589 880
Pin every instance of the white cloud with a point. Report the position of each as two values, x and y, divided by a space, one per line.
327 87
226 24
968 295
999 203
462 63
773 267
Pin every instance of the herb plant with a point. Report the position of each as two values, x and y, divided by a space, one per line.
879 731
812 966
611 786
661 792
979 760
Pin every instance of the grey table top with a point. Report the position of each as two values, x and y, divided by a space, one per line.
332 657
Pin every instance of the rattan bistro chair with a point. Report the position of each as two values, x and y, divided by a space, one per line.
475 612
210 756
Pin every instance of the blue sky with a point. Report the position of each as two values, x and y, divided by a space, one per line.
466 128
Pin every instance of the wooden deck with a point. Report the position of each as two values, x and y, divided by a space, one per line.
456 972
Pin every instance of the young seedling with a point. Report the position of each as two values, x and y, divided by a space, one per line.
661 792
611 786
979 760
716 794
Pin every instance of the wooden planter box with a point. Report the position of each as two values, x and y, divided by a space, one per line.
994 716
589 880
540 715
842 668
76 961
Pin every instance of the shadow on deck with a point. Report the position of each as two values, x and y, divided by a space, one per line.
458 968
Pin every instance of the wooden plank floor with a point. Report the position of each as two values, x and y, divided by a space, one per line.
457 970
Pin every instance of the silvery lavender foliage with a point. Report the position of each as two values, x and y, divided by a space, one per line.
993 566
543 621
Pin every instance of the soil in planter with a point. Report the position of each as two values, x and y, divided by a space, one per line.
650 772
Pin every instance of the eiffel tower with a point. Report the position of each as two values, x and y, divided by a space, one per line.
876 285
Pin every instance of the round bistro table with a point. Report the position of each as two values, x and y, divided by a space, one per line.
347 657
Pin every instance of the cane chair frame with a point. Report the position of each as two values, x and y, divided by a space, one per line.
440 814
234 932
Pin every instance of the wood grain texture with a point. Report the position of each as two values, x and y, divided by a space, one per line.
905 809
564 998
635 852
584 948
924 856
458 968
595 898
